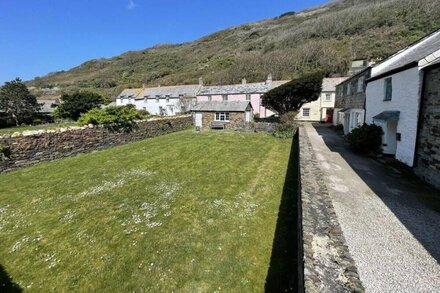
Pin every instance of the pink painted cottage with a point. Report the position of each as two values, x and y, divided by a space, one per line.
251 92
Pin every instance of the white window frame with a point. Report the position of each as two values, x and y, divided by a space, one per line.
328 97
222 116
306 110
248 97
225 97
209 98
157 99
167 97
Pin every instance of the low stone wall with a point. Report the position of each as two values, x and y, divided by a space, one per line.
326 264
34 147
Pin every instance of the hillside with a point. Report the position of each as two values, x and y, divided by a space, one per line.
326 37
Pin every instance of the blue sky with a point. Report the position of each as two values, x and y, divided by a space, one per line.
38 37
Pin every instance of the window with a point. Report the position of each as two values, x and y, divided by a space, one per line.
388 89
209 98
146 99
222 116
328 97
157 99
360 85
248 97
306 112
122 100
349 89
225 97
168 98
145 108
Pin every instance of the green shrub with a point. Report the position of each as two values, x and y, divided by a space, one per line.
339 128
289 118
366 139
285 131
113 117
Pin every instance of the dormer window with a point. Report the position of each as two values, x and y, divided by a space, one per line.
248 97
167 97
157 99
146 99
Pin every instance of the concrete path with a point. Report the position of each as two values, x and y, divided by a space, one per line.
392 236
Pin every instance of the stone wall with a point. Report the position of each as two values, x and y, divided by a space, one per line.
327 265
34 147
428 147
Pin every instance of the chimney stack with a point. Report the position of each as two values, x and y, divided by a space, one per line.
201 81
269 79
243 81
143 86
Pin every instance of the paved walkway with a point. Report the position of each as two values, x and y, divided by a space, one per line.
393 237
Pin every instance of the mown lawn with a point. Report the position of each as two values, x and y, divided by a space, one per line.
185 212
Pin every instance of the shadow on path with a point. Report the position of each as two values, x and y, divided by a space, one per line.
282 275
410 199
6 283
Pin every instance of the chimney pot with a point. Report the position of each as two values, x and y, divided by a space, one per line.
243 81
269 79
201 81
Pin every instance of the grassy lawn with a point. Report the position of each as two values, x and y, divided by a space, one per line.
185 212
11 130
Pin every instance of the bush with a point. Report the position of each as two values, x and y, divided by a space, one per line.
339 128
76 104
113 117
289 118
366 139
285 131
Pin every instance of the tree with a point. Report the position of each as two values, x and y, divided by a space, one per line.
292 95
17 101
78 103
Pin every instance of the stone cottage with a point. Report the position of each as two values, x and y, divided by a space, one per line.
350 101
322 108
427 161
222 114
393 95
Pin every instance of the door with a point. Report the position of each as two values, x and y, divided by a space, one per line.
199 120
248 116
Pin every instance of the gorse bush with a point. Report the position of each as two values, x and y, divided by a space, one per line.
366 139
113 117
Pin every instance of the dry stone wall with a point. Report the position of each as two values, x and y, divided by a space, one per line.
326 262
30 148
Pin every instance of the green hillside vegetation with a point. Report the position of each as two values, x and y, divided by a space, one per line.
327 38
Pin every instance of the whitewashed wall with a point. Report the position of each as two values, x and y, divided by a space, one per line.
153 106
406 99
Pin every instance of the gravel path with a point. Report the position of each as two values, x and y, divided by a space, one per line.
393 237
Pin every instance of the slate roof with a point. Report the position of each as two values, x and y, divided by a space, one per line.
388 116
129 93
226 106
329 83
248 88
410 54
171 91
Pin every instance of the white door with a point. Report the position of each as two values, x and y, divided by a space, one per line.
199 120
248 116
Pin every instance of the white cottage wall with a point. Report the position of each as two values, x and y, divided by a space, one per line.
406 99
